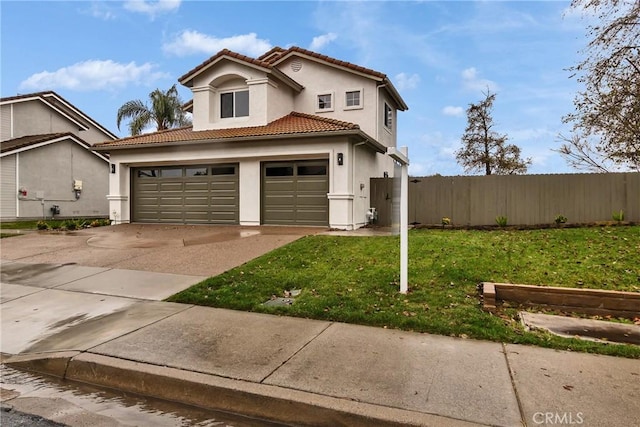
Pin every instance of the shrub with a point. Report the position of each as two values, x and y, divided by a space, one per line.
618 216
42 225
501 221
560 219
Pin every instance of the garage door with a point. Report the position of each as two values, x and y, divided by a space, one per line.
295 193
206 194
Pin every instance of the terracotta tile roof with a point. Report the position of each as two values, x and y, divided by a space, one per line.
269 55
294 123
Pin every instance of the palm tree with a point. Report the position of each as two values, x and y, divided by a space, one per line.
165 111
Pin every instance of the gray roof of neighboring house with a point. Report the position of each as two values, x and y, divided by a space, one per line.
56 101
24 142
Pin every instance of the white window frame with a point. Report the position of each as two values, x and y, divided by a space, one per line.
387 117
234 91
333 102
361 99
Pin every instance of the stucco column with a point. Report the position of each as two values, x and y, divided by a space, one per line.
203 107
118 197
250 192
341 189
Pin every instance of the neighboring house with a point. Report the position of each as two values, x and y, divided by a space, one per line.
289 138
46 159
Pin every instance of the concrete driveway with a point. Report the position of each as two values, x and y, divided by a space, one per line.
72 291
178 249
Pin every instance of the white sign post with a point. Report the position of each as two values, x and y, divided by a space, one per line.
401 156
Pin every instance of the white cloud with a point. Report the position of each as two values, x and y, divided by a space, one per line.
453 111
404 81
93 75
191 42
152 8
471 81
100 10
321 41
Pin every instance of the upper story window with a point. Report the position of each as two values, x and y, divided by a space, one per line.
234 104
325 102
388 116
353 99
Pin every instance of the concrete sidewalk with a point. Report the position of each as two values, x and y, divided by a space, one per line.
296 371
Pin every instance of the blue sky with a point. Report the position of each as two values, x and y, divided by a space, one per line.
440 55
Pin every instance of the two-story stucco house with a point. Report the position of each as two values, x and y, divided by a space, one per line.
48 167
289 138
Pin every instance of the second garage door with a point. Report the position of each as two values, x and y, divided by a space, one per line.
205 194
295 193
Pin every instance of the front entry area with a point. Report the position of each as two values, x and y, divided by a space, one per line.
295 193
202 194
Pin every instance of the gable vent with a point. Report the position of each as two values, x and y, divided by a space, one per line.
296 65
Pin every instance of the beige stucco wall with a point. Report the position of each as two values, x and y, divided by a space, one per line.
48 172
249 155
268 99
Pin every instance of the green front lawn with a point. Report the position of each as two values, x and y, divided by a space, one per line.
355 279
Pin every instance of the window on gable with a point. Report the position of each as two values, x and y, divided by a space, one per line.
388 116
352 98
234 104
324 102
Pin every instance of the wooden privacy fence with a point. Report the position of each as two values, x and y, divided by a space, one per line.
523 199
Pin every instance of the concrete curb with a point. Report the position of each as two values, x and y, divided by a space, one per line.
223 394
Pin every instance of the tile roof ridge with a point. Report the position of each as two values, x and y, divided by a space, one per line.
275 52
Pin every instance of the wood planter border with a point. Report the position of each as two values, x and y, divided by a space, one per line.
588 301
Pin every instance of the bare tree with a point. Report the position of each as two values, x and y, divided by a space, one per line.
580 154
606 120
483 148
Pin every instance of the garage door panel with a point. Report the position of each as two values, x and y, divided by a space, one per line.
177 187
311 200
148 201
196 186
300 197
189 195
148 186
